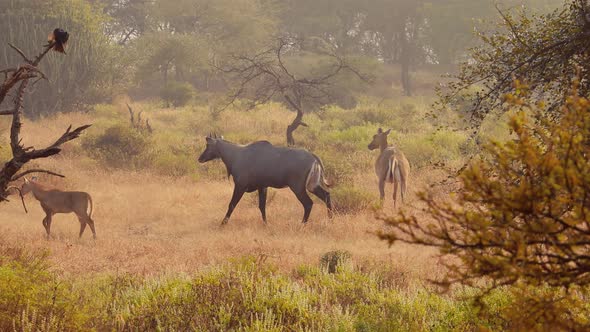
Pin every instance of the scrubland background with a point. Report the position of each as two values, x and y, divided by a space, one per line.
158 215
161 260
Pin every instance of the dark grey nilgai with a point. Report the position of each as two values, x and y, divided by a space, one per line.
260 165
391 166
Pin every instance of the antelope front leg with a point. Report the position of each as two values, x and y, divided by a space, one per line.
47 225
262 202
235 199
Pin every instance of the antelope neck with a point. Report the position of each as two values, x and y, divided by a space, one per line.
383 145
227 151
38 191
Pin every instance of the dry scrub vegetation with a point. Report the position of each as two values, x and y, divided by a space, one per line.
149 222
158 218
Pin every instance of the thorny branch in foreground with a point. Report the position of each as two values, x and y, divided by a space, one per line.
20 79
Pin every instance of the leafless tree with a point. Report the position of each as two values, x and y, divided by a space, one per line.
137 123
16 81
265 76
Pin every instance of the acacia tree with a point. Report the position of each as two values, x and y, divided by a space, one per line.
265 76
543 50
521 218
19 79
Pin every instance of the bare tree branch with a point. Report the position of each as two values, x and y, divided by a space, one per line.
21 53
265 75
21 155
36 170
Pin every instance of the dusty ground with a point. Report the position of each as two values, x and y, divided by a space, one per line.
148 224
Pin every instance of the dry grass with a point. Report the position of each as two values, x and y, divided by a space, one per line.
149 224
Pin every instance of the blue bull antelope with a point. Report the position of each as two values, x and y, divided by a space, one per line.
260 165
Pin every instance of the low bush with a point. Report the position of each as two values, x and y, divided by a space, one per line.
177 94
242 295
174 161
119 146
31 296
350 200
334 261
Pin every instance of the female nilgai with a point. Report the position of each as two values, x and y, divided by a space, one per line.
56 201
260 165
391 166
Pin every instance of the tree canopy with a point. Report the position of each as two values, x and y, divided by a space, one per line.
521 217
543 50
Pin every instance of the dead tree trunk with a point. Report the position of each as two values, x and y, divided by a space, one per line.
21 155
298 121
264 76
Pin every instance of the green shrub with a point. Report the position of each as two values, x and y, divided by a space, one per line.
31 296
350 200
174 161
242 295
119 146
334 261
177 93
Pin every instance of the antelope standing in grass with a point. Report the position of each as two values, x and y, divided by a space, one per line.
260 165
391 166
55 201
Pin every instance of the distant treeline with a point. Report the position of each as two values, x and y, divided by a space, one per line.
118 45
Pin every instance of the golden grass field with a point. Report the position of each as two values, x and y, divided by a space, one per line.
150 224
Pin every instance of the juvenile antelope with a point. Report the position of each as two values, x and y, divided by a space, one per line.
391 166
55 201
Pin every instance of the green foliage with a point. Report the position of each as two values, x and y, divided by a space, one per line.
174 161
542 50
119 146
243 295
82 75
348 199
520 217
177 94
31 297
334 261
441 146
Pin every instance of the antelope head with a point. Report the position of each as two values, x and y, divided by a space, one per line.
379 139
211 150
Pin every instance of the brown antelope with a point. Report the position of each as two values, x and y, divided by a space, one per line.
391 166
55 201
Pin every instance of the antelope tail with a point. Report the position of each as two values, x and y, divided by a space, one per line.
393 166
316 176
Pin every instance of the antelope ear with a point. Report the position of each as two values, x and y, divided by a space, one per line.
26 180
379 131
34 178
387 132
